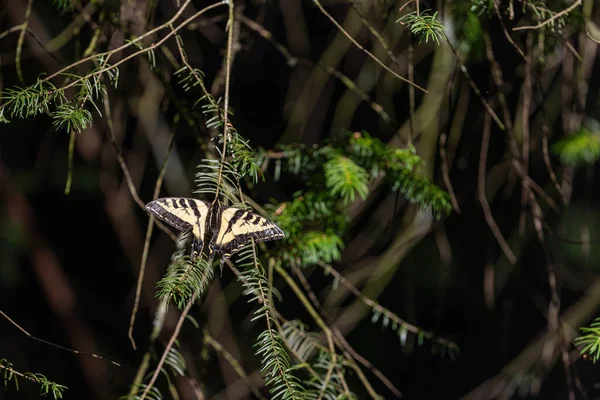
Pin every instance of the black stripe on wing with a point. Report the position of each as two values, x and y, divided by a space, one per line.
160 209
246 225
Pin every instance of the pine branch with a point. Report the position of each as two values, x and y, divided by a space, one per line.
346 179
38 98
397 324
590 342
184 279
276 368
306 347
46 386
424 26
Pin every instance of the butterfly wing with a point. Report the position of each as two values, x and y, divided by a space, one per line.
236 227
184 214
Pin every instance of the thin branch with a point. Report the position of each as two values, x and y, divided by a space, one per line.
292 61
482 196
212 342
228 60
589 35
21 40
151 222
380 309
72 136
127 58
328 334
555 16
446 173
377 35
55 345
126 174
367 52
525 137
169 345
506 34
411 96
340 337
549 164
108 54
316 303
467 75
16 28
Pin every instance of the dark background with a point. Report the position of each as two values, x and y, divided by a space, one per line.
69 262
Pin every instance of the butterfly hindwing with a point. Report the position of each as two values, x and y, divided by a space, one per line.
182 213
236 227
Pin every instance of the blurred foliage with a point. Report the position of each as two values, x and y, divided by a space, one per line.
580 148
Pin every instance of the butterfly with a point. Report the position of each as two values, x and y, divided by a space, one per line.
231 228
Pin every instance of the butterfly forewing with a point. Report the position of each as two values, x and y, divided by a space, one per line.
183 214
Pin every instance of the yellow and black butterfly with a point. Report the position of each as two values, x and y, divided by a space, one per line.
231 228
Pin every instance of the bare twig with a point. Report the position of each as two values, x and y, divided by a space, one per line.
367 52
151 222
21 40
292 61
445 172
126 174
527 93
53 344
482 196
228 61
506 34
379 308
548 164
555 16
467 75
326 330
212 342
169 345
340 337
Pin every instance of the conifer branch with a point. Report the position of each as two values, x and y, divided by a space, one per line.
276 368
590 342
326 330
305 346
36 98
46 386
424 26
398 324
340 339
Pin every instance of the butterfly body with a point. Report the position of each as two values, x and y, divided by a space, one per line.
231 228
